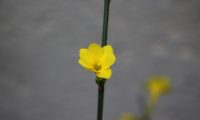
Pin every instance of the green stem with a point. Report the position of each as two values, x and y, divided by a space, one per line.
147 113
105 22
100 82
100 102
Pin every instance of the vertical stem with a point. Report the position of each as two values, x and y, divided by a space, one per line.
100 102
105 22
100 82
147 112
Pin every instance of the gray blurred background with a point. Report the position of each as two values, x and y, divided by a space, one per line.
40 78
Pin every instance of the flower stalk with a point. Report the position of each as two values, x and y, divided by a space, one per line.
105 22
101 81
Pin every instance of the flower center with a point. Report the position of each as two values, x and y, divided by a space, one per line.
97 67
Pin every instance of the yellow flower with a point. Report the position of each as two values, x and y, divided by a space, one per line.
157 86
97 59
127 116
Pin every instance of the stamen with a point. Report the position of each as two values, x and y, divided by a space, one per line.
97 67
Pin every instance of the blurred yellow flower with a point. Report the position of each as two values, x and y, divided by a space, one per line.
157 86
127 116
97 59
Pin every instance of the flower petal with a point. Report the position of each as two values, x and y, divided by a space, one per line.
104 73
108 49
128 116
85 56
95 51
84 64
108 57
